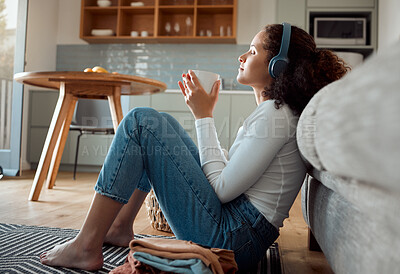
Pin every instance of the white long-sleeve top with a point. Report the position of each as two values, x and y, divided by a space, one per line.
264 162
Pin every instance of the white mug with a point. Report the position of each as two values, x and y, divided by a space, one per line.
134 33
206 79
144 33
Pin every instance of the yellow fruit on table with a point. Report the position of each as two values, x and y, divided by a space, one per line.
88 70
99 69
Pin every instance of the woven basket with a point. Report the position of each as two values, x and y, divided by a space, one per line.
157 219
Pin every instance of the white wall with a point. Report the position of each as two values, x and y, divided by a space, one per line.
41 44
252 16
389 23
69 19
41 51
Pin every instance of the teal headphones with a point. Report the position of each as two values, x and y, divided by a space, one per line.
278 63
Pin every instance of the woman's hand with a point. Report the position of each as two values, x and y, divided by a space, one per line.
198 100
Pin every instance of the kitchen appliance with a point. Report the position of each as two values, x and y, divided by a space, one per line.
340 30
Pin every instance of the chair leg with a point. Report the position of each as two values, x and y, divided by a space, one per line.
76 153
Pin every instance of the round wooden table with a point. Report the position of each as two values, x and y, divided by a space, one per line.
73 85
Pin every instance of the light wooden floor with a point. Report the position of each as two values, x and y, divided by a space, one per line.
66 205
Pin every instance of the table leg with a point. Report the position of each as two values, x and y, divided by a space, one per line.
115 107
58 151
60 113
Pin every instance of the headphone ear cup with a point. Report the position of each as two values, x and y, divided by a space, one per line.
276 66
271 66
279 66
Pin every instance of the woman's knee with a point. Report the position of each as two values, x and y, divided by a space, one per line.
147 113
143 116
137 118
151 119
142 112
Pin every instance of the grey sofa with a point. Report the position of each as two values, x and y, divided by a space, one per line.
349 134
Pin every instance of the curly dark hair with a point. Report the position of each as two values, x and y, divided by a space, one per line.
309 69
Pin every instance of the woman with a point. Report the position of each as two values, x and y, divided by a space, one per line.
235 202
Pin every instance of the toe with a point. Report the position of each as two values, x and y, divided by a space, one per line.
43 260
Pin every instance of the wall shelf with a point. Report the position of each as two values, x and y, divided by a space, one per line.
164 21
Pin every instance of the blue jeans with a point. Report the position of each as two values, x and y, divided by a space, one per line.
151 149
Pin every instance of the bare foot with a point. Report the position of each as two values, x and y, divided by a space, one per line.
119 236
72 255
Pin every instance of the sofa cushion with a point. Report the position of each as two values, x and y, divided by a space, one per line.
306 131
351 127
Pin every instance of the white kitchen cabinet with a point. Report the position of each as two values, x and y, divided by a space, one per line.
41 107
92 148
341 3
231 110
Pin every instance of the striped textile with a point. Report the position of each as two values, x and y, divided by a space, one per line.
21 246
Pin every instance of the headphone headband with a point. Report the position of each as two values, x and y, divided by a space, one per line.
278 63
287 29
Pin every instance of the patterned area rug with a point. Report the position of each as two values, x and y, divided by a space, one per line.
20 247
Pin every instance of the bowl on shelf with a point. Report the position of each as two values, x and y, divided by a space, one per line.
102 32
137 4
103 3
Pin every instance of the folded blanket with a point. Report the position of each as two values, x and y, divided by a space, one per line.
186 266
219 260
133 266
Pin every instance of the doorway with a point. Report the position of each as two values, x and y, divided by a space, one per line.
13 19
